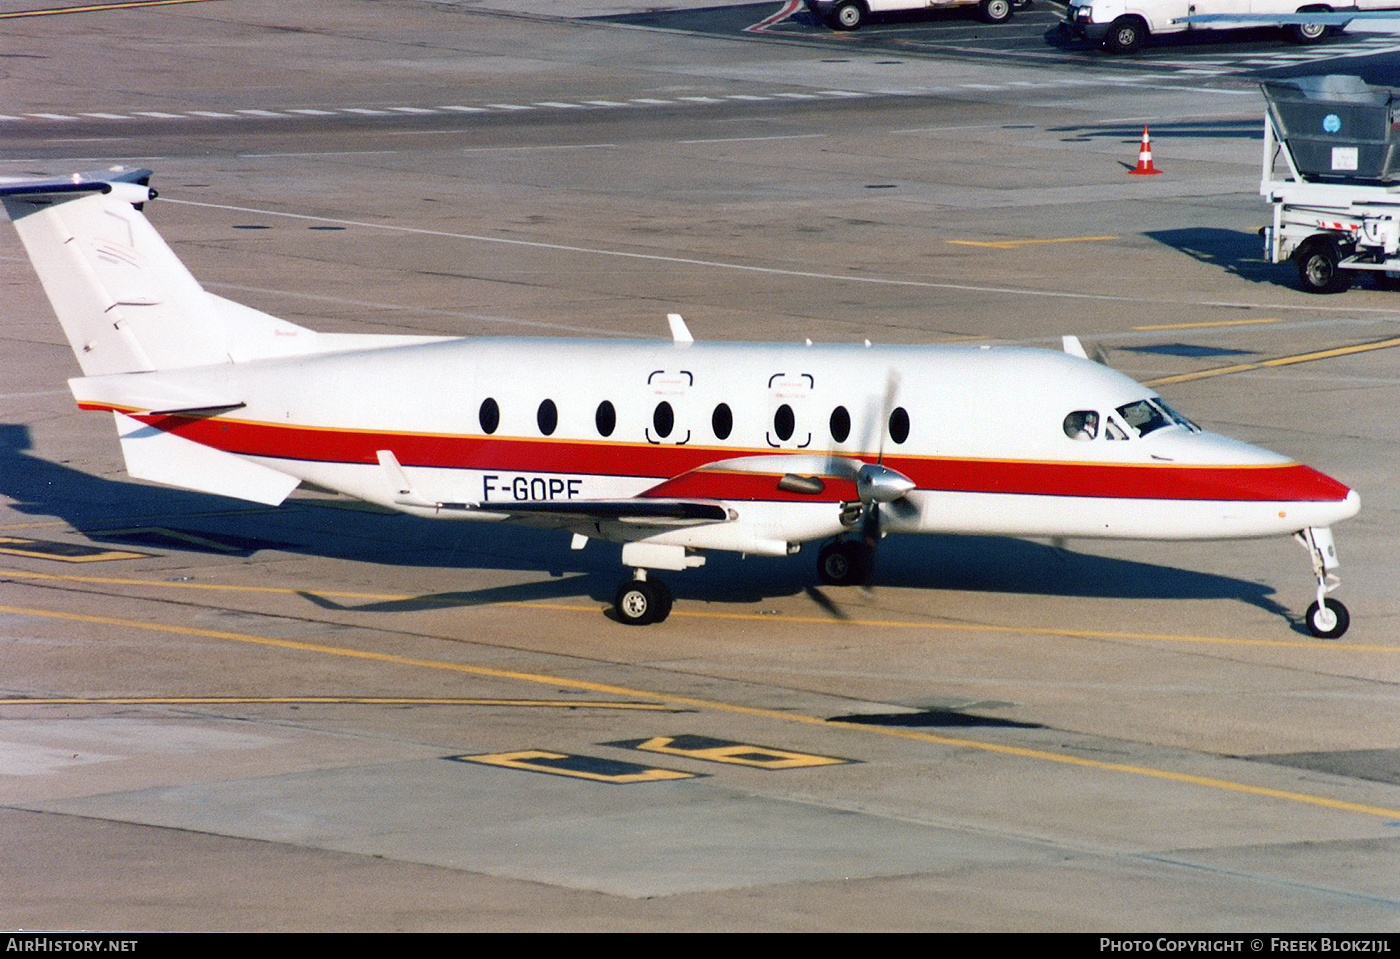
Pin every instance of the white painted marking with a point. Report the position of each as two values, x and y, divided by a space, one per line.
106 116
51 116
260 113
508 106
461 109
604 103
160 116
364 111
24 759
212 113
415 110
558 104
313 113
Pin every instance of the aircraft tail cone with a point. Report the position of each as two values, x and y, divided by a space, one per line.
1144 165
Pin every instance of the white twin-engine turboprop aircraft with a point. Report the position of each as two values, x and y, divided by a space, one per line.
667 447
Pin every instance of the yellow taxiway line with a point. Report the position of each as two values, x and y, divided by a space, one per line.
1203 325
322 700
1279 361
692 702
1014 244
95 8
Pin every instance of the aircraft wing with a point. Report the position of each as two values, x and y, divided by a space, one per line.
637 512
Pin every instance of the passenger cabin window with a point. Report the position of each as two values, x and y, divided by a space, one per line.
784 422
605 419
1082 425
722 422
547 417
489 416
899 424
663 420
840 424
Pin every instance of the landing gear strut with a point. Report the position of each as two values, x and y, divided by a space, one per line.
640 601
1326 618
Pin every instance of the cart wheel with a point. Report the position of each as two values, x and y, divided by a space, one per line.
848 16
1306 33
1318 271
1125 35
994 11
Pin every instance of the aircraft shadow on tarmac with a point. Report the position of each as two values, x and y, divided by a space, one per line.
122 511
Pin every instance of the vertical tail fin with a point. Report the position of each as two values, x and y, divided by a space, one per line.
126 302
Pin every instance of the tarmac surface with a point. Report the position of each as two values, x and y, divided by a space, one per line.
219 716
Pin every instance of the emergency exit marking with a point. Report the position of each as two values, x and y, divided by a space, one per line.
579 767
62 552
726 751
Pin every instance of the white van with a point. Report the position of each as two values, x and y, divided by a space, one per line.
850 14
1122 25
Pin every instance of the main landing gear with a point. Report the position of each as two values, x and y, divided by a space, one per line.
640 601
845 562
1326 618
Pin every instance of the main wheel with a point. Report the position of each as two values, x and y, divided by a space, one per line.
1328 621
846 562
1318 271
641 601
848 16
1125 35
994 11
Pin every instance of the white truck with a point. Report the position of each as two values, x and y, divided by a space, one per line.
850 14
1337 201
1122 25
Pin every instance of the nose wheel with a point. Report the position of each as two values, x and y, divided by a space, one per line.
1326 618
641 601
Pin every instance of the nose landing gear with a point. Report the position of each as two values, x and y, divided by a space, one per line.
1326 618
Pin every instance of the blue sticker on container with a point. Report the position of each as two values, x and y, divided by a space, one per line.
1331 123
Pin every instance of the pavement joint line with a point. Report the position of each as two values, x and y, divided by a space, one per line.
1001 749
772 270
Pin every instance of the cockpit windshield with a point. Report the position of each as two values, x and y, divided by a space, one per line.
1145 416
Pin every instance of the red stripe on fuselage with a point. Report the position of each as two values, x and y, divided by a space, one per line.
1284 482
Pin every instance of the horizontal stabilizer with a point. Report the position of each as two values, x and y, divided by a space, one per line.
148 393
162 457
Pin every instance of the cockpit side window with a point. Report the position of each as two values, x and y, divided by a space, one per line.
1082 425
1176 417
1144 417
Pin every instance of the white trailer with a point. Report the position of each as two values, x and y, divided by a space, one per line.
1337 202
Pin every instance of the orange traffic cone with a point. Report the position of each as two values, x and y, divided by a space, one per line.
1145 167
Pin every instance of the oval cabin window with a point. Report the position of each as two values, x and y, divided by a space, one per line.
899 424
489 415
547 417
663 420
722 422
840 424
605 418
784 422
